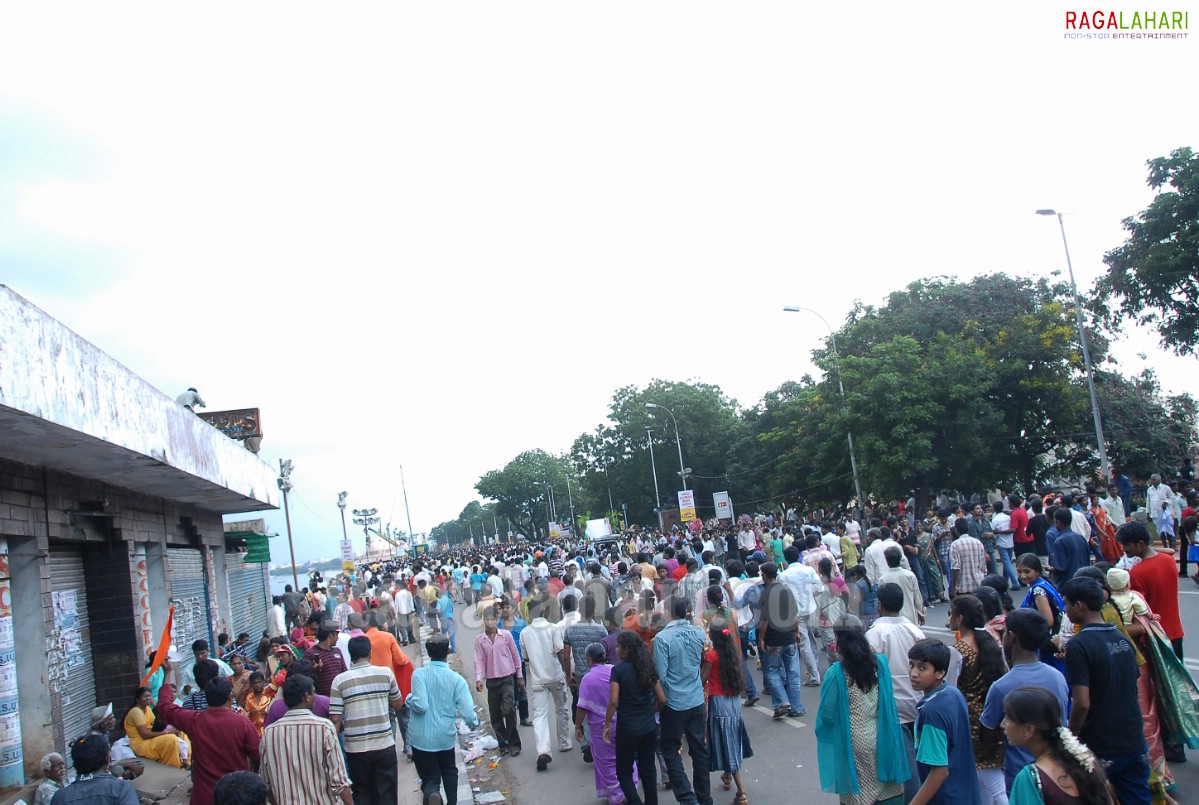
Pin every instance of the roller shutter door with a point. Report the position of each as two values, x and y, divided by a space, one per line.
76 677
189 597
247 597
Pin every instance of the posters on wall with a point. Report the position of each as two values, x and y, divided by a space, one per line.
67 651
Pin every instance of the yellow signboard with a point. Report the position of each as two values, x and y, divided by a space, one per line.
686 505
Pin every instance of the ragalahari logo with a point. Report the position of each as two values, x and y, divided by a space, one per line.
1100 24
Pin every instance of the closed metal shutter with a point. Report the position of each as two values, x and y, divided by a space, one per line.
247 597
189 597
76 680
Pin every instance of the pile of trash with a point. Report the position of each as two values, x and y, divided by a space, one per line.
475 746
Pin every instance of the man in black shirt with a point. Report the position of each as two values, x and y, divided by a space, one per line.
1038 526
1105 712
778 638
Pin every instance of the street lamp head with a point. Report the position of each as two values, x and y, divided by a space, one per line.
652 405
1046 212
791 308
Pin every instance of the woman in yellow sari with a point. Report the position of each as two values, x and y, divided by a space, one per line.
163 745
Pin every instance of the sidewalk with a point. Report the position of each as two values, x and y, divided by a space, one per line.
160 783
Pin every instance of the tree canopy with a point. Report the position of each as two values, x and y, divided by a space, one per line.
948 385
1153 278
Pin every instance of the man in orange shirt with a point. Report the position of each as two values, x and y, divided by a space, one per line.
386 653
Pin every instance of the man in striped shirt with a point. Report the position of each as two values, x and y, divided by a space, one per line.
358 705
301 761
325 658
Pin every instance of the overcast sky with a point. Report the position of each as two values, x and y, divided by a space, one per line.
440 234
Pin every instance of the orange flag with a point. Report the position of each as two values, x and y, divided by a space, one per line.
164 646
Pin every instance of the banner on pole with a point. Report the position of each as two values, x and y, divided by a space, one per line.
347 556
687 505
724 506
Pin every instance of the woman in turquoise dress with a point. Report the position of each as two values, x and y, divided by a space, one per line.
859 742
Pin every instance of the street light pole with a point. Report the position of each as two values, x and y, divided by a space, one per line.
649 437
571 500
366 518
407 514
341 504
677 440
853 458
284 481
1086 352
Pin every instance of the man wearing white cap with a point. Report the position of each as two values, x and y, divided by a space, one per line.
103 723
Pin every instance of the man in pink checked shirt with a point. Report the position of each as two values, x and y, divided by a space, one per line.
497 661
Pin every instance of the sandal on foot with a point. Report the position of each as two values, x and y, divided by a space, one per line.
726 780
740 799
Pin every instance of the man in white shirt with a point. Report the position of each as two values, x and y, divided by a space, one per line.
913 602
191 400
541 647
496 584
1114 506
1078 520
747 541
803 582
854 530
276 621
405 606
1157 495
710 564
517 576
892 635
875 560
831 541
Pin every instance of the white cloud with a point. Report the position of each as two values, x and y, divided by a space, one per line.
440 235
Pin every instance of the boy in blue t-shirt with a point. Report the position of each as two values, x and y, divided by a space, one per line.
944 756
1026 631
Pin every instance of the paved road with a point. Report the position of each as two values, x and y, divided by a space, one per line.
784 762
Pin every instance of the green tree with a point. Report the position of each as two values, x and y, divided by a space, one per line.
616 455
797 455
962 385
1146 432
1154 277
519 489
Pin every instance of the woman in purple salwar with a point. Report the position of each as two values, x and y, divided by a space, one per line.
594 690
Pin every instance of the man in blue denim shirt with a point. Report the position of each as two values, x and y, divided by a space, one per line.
438 696
678 654
94 785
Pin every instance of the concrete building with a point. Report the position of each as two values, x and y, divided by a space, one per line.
112 498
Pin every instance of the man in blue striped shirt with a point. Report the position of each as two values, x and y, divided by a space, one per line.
438 697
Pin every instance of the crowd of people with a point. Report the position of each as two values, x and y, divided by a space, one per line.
639 646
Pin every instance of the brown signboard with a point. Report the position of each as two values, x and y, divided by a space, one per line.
240 424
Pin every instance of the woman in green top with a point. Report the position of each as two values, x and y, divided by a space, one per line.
776 548
932 564
1065 771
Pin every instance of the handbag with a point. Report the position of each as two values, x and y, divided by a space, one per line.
1193 554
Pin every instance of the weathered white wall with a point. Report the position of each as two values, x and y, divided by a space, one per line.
50 373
